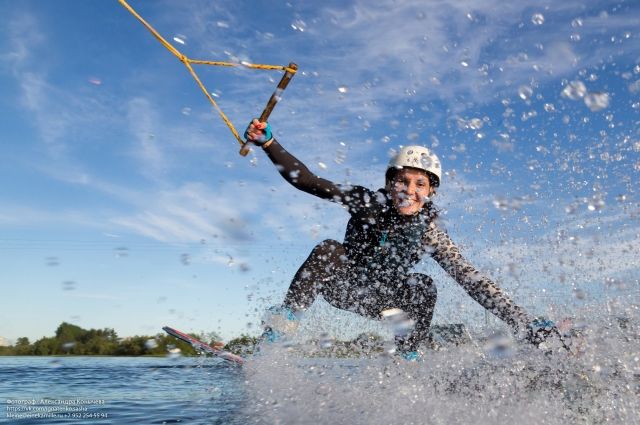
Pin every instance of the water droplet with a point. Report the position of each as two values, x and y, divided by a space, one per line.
150 344
185 259
525 92
579 293
595 204
537 19
95 81
421 15
173 352
121 252
222 24
68 346
636 69
575 90
499 345
343 89
323 389
400 323
596 101
577 22
464 63
549 107
325 340
475 123
575 37
181 39
186 111
322 165
68 285
299 25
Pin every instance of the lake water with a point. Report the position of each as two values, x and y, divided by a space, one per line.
121 390
479 383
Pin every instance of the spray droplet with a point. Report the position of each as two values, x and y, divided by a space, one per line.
180 39
186 111
525 92
537 19
576 23
68 285
150 344
68 346
343 89
575 90
596 101
299 25
121 252
173 352
475 123
322 165
549 107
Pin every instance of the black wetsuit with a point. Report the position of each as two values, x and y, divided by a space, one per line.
371 270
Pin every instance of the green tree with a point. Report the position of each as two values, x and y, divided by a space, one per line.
242 346
46 347
23 347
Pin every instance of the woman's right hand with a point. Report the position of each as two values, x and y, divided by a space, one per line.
258 132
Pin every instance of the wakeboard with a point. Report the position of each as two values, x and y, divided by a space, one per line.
205 348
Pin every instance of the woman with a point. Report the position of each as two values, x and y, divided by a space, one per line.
389 231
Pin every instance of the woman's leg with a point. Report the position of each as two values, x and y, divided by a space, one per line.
322 273
417 298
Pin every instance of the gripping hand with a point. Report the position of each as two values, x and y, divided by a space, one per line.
539 330
258 133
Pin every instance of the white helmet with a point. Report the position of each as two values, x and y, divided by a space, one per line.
417 157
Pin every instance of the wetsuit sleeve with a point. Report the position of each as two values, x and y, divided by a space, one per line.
480 287
299 176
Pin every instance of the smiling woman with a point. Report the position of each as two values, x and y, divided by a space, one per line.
390 230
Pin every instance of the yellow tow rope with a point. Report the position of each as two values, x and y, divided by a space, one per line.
289 72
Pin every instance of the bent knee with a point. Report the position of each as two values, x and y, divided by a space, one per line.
423 283
329 246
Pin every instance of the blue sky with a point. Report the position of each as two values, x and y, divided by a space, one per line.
125 203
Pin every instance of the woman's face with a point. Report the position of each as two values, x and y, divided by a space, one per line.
410 189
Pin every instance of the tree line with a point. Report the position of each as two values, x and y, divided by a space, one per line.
73 340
